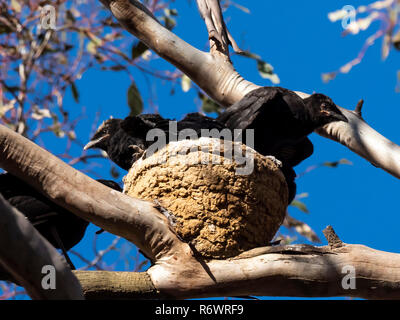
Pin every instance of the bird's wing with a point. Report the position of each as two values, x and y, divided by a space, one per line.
111 184
293 152
35 210
42 212
11 186
135 126
138 126
197 121
242 114
296 105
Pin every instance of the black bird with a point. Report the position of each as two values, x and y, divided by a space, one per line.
60 227
124 140
282 121
124 148
280 118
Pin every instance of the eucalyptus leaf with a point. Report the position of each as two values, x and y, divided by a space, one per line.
135 101
209 105
300 205
186 83
75 92
138 49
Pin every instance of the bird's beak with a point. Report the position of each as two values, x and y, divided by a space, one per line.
337 116
340 117
94 143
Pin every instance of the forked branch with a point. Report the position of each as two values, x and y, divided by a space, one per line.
218 33
136 220
177 273
216 75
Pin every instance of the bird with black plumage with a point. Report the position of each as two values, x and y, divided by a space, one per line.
282 121
126 140
61 228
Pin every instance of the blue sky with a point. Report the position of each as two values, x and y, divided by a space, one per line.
296 37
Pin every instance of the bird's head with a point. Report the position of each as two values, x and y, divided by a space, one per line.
102 135
323 110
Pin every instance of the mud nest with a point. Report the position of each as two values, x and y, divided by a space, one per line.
219 210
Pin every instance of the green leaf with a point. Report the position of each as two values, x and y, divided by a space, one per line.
244 9
69 16
267 72
170 23
135 101
335 164
4 108
251 55
16 6
91 47
114 172
12 89
326 77
300 205
117 68
186 83
396 40
171 12
75 92
138 49
265 69
302 195
4 29
209 106
39 114
71 134
58 131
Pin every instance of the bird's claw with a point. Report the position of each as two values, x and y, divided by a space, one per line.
277 162
137 152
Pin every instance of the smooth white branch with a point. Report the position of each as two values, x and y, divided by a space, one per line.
216 75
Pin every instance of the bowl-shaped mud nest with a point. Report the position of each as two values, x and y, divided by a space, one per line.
218 209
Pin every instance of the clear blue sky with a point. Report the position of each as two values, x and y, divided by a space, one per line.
296 37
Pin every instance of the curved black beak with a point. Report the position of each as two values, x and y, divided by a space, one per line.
340 117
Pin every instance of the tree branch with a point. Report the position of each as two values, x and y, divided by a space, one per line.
136 220
178 273
279 271
214 74
217 77
286 271
218 33
25 252
117 285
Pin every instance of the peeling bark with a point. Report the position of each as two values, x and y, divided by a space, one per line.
218 33
286 271
101 285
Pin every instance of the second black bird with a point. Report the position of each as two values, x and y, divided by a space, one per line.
60 227
281 121
125 140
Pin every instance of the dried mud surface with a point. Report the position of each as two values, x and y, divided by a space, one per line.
218 211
